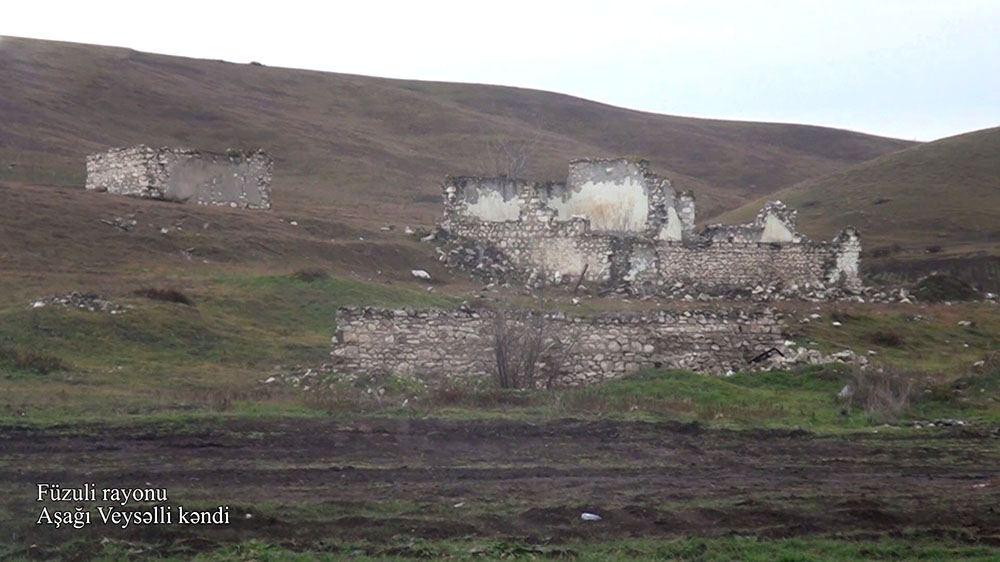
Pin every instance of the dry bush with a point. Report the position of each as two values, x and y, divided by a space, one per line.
310 275
33 361
521 345
941 287
458 394
886 338
339 399
883 393
841 315
165 295
991 363
223 399
506 157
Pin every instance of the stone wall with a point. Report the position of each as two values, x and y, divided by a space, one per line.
437 344
235 179
537 246
727 266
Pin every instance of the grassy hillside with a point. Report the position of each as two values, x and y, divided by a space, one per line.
938 203
361 146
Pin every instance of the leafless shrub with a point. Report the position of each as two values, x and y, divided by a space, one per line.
507 157
882 392
165 295
310 275
886 338
461 394
991 363
842 315
339 399
34 361
525 354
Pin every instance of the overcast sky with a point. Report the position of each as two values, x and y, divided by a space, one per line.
915 69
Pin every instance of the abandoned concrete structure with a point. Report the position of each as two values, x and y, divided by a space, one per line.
459 343
235 179
615 223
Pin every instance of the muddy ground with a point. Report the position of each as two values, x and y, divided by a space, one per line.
303 482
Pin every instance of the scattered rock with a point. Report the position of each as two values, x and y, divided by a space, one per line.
949 422
846 393
125 223
590 516
90 302
420 274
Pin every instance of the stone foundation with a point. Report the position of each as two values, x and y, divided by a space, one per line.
235 179
439 344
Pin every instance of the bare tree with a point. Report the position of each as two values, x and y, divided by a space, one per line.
526 352
507 157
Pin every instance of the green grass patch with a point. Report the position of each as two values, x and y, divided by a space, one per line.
160 356
927 339
694 549
805 399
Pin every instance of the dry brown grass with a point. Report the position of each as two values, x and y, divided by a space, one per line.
371 144
32 361
883 393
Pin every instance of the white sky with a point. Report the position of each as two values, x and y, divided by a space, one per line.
915 69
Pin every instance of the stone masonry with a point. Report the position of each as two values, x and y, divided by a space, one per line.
437 344
617 224
235 179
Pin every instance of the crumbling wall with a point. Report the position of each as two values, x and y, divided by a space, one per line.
436 344
538 246
615 195
732 266
484 199
845 268
236 179
775 223
123 171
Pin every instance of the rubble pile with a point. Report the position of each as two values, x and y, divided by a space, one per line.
323 378
306 378
800 356
90 302
483 261
126 223
778 292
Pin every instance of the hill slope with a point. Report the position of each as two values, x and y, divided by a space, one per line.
371 146
932 202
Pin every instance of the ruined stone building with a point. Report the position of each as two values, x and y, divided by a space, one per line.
235 179
617 224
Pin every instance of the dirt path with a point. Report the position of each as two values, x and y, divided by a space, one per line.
301 481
